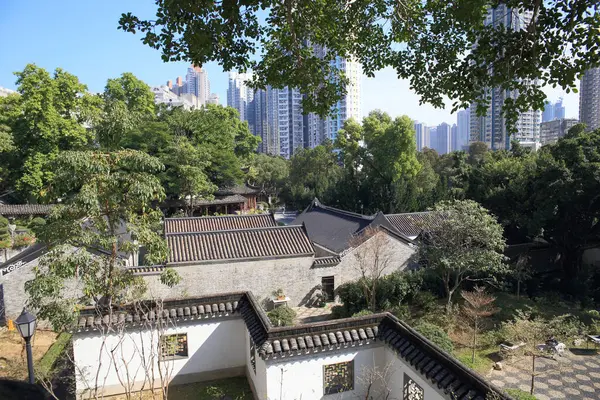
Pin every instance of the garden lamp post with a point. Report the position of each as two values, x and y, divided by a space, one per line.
26 325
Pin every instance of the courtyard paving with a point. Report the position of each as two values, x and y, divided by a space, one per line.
306 315
572 376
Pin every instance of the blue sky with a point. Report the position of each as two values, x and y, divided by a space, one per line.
82 38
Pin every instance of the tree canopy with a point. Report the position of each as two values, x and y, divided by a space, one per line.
444 48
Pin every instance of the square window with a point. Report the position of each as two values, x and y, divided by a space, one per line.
172 346
338 377
412 391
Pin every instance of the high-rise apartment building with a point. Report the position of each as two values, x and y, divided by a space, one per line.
589 99
349 106
463 126
491 127
553 111
197 83
441 138
290 121
239 95
551 131
421 136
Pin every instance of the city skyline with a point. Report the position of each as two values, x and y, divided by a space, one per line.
105 52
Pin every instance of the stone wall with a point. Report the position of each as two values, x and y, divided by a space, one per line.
296 276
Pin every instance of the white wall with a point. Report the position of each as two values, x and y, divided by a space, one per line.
301 378
258 379
213 346
397 370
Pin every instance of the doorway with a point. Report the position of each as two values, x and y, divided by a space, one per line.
328 285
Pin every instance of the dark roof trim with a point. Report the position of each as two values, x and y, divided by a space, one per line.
317 204
434 363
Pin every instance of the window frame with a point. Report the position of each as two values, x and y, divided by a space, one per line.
178 354
328 388
407 381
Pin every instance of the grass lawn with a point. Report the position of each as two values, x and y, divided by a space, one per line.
235 388
483 363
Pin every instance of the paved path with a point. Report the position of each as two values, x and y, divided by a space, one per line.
305 315
573 377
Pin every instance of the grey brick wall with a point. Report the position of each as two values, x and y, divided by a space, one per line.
295 276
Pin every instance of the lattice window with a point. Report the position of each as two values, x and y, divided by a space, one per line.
174 345
412 391
338 377
253 354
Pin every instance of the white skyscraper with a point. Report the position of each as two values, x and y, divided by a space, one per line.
421 136
463 125
239 95
349 106
290 121
491 128
196 83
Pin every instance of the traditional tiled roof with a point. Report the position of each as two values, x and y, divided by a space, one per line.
341 334
233 199
411 224
434 364
32 253
228 222
276 241
147 270
327 261
333 229
237 189
25 209
169 310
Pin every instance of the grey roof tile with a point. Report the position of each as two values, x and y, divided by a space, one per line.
277 241
221 223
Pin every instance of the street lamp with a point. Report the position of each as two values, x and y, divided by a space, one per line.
26 325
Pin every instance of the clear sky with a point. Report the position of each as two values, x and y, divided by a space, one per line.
81 37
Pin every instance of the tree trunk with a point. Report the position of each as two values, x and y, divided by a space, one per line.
532 375
474 344
518 288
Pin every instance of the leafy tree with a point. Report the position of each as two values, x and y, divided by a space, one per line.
228 142
107 206
185 175
477 152
313 173
270 173
134 93
47 117
390 154
151 137
560 196
466 245
443 48
5 241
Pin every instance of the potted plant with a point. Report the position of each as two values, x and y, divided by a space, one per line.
279 294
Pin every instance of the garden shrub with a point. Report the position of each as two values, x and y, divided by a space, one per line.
426 302
23 240
282 316
36 224
339 311
519 394
392 290
436 335
362 313
4 233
